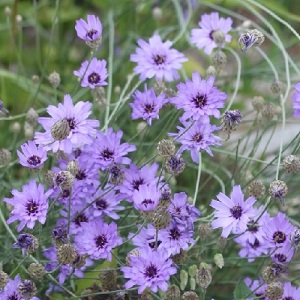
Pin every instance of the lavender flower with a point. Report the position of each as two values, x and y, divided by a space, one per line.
257 287
232 214
30 205
89 31
27 242
3 110
196 136
157 59
92 73
97 239
290 292
296 100
283 255
107 149
152 269
146 105
211 26
199 98
33 156
81 130
146 198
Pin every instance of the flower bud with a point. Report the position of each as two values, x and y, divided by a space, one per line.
35 79
32 117
193 270
274 290
3 279
184 276
27 242
219 260
268 112
291 164
277 87
108 279
15 127
27 289
192 283
278 189
189 295
203 276
28 130
173 293
175 165
157 13
7 11
66 254
165 198
295 237
60 130
54 79
5 157
60 236
166 148
211 71
64 179
204 231
36 271
180 257
218 37
73 167
160 218
258 103
256 189
219 60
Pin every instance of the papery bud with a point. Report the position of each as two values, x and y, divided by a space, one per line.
116 174
173 293
32 117
252 38
3 279
184 276
5 157
175 165
99 96
64 179
256 189
54 79
268 112
48 178
268 275
108 279
291 164
36 271
179 258
218 37
160 218
166 148
221 242
219 260
258 103
15 127
193 270
66 254
190 296
73 167
278 190
219 60
204 231
27 289
203 276
19 19
60 236
28 131
274 290
211 71
295 237
277 87
60 130
141 126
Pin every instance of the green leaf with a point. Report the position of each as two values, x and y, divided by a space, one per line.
242 291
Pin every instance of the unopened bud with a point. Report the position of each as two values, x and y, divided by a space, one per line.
193 270
173 293
175 165
5 157
268 112
32 117
73 167
189 295
211 71
219 260
27 289
36 271
54 79
157 13
277 87
108 279
219 60
35 78
180 257
7 11
291 164
166 148
258 103
15 127
160 218
60 130
184 276
64 179
204 231
256 189
203 276
3 279
274 290
28 131
66 254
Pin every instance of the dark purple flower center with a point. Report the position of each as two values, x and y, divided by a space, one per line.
91 33
94 78
260 296
60 234
151 271
200 100
101 204
288 298
175 233
255 245
279 237
252 227
281 257
152 244
107 154
236 212
80 175
71 123
211 35
159 59
32 207
101 241
24 241
136 183
146 202
197 137
149 108
13 296
34 160
65 193
80 218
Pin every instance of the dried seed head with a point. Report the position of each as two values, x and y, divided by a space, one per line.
278 189
274 290
60 130
48 178
160 218
27 289
64 179
32 117
175 165
190 296
219 260
291 164
219 60
295 237
204 231
180 257
252 38
5 157
166 148
256 189
203 276
73 167
66 254
116 174
60 236
277 87
3 279
268 275
268 112
184 276
165 198
54 79
230 120
211 71
258 103
218 37
108 279
36 271
173 293
27 242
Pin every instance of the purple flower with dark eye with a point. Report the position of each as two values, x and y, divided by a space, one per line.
283 255
97 239
196 136
290 292
212 29
146 198
257 287
27 242
30 205
107 149
152 269
157 59
70 122
33 156
93 73
296 100
199 98
146 105
89 31
233 214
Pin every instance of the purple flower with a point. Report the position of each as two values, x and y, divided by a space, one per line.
152 269
26 242
92 74
232 214
257 287
157 59
146 198
33 156
30 205
89 31
296 100
146 105
97 239
107 149
283 255
277 230
196 136
81 130
290 292
211 25
199 98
